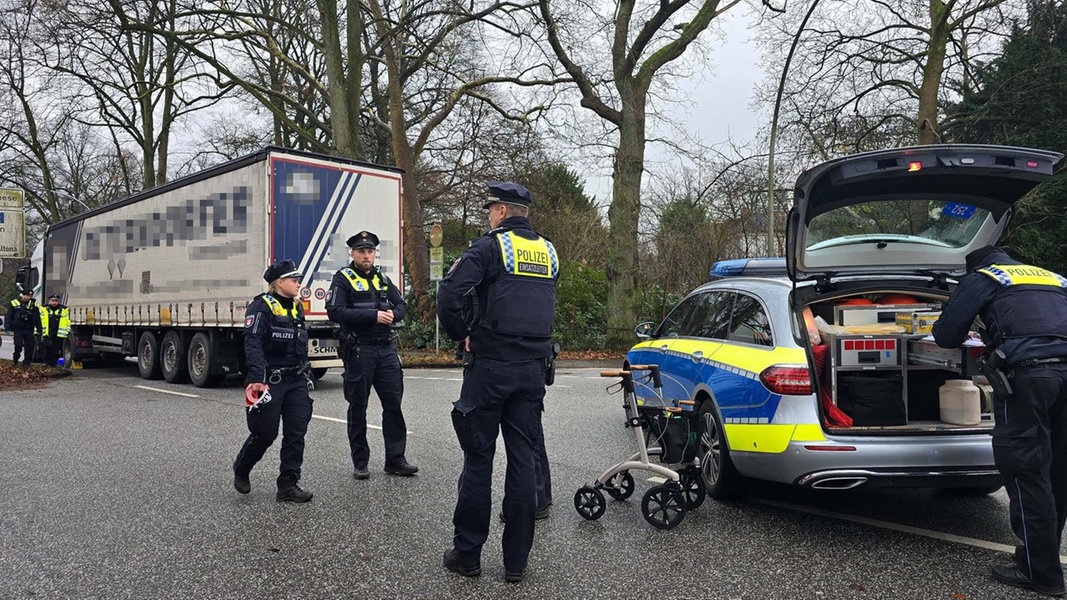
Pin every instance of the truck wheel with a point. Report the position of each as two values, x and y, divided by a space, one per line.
201 361
148 356
68 353
318 373
172 358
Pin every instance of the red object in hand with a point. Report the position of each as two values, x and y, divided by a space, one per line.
253 395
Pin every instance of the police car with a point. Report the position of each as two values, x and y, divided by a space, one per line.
817 370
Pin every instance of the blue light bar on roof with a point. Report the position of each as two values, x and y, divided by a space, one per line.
727 268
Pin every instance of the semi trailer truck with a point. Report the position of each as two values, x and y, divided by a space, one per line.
166 275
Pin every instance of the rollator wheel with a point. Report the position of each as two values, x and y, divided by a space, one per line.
692 488
663 506
589 502
620 486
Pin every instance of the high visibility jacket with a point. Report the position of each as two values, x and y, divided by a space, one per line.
22 317
55 322
1031 302
522 301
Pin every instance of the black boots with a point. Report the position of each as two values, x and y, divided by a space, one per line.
289 491
401 467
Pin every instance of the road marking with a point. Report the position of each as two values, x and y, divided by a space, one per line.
335 420
937 535
152 389
434 378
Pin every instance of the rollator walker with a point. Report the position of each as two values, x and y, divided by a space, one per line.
665 424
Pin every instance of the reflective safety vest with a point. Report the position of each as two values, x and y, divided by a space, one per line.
61 314
1031 303
522 302
365 296
287 338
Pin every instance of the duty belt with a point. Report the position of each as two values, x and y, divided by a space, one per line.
1036 362
374 341
276 375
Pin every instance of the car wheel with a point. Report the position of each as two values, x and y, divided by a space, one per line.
172 358
148 356
721 479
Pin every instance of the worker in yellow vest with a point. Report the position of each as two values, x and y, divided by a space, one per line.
55 328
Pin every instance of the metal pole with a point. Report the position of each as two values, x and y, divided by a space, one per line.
436 321
772 248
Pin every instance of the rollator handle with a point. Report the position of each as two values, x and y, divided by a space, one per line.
615 373
653 369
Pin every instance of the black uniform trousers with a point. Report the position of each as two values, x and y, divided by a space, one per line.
291 405
1030 450
24 341
498 397
377 366
542 470
53 346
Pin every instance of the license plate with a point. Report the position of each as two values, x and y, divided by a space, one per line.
322 346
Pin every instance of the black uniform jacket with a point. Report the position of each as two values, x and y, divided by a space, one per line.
462 297
357 311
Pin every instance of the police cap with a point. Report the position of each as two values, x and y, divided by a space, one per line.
363 239
506 191
280 269
55 297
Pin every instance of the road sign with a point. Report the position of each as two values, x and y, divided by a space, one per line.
437 255
437 235
437 272
12 224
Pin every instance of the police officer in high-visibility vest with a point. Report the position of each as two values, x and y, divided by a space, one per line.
55 327
278 380
23 320
367 306
511 272
1024 313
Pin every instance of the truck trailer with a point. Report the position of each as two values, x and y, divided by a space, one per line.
166 275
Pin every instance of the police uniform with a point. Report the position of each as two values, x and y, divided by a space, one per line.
511 272
1024 310
369 352
24 321
276 354
55 327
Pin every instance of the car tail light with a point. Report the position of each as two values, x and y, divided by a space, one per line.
817 448
915 166
793 380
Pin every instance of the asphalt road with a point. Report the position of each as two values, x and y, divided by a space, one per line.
112 489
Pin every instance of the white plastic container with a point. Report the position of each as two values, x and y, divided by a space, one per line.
961 402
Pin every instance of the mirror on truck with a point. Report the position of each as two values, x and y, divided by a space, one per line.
26 278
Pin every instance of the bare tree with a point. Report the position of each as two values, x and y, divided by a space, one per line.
876 73
643 40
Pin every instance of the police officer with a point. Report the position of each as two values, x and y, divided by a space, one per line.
511 272
367 305
1024 311
55 327
278 381
23 320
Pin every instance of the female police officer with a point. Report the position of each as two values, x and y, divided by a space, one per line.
276 353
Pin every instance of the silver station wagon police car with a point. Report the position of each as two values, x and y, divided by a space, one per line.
820 372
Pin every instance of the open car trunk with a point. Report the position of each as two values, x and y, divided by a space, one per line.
877 371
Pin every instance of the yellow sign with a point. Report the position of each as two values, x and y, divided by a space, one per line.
436 272
437 255
437 235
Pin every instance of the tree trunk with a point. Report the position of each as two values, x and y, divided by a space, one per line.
928 121
623 218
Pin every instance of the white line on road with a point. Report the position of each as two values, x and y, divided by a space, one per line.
948 537
434 378
335 420
152 389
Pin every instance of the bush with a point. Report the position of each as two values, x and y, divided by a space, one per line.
581 307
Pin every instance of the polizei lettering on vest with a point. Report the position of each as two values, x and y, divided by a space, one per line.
524 254
1024 271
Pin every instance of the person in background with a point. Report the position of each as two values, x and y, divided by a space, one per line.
55 328
367 305
511 272
23 321
279 375
1024 311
